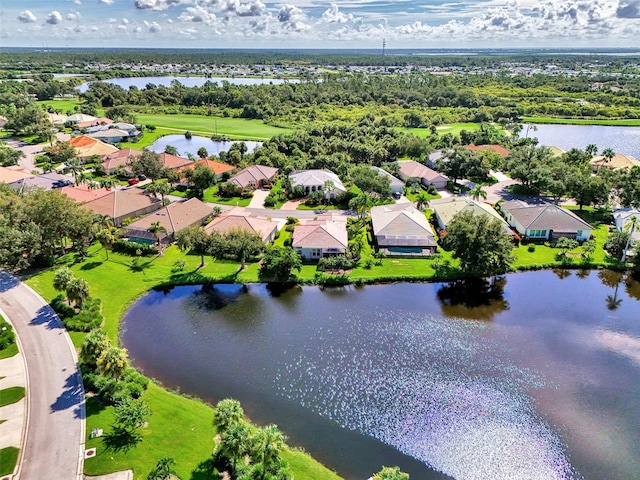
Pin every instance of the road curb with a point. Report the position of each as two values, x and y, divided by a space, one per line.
25 423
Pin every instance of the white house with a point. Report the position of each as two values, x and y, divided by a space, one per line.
411 169
397 185
315 181
622 217
545 220
314 239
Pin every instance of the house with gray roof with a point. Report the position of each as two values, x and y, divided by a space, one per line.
397 185
543 220
45 181
401 229
315 180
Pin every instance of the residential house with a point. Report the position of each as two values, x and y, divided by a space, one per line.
121 159
445 212
254 177
621 218
218 168
410 169
173 162
110 135
401 229
174 217
87 147
618 162
239 219
46 181
80 118
83 193
435 157
314 239
13 174
94 123
315 181
120 204
544 220
499 149
397 185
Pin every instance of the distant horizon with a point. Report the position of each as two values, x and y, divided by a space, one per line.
345 24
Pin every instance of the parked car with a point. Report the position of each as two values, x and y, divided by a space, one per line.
142 177
133 181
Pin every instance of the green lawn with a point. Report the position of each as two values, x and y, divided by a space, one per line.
62 105
10 351
583 121
11 395
211 197
237 128
148 138
8 460
453 128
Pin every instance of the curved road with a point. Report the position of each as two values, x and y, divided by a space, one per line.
53 441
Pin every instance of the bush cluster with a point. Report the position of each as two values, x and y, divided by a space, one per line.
130 248
7 337
112 391
88 318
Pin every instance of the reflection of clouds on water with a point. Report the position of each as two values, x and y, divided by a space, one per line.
620 343
437 389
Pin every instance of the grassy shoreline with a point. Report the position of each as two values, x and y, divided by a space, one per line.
583 121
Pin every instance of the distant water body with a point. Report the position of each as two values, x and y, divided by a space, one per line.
625 140
142 82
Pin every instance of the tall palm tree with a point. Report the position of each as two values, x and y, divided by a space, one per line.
476 192
156 229
630 226
607 155
74 167
422 202
361 204
269 446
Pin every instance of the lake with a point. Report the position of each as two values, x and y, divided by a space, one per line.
625 140
193 144
142 82
542 383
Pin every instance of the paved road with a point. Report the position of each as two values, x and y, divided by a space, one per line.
54 438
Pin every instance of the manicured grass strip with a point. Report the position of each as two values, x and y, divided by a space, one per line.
583 121
453 128
239 128
8 460
63 105
11 395
10 351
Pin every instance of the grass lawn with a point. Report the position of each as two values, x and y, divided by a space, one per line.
211 197
583 121
62 105
10 351
453 128
237 128
148 138
8 460
11 395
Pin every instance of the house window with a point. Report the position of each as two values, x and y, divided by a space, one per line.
578 233
537 233
316 252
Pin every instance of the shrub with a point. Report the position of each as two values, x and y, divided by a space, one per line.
179 265
7 337
89 317
131 248
270 200
62 308
531 248
288 242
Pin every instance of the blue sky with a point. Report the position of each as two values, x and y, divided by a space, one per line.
320 24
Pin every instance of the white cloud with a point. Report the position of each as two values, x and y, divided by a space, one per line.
292 18
73 16
54 18
250 8
107 2
334 15
156 4
198 14
125 21
26 16
153 27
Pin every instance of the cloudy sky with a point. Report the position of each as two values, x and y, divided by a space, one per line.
320 24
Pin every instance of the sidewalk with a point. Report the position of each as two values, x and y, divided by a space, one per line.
14 415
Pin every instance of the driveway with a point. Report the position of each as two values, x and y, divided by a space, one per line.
53 444
257 201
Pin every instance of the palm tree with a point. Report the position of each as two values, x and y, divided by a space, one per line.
228 412
269 445
108 183
107 237
74 167
217 211
235 443
607 155
327 188
162 188
630 226
113 362
591 149
156 229
477 192
77 291
361 204
163 469
422 202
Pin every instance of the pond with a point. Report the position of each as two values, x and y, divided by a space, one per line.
540 383
625 140
193 144
142 82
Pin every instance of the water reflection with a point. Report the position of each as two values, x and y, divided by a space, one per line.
476 299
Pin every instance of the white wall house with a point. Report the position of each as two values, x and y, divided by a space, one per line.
545 221
315 181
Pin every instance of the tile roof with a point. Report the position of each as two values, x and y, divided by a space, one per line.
401 225
446 211
315 178
92 123
499 149
10 174
413 169
83 194
121 202
393 181
230 221
254 174
173 161
46 181
618 162
86 146
544 216
121 158
321 234
174 217
218 167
